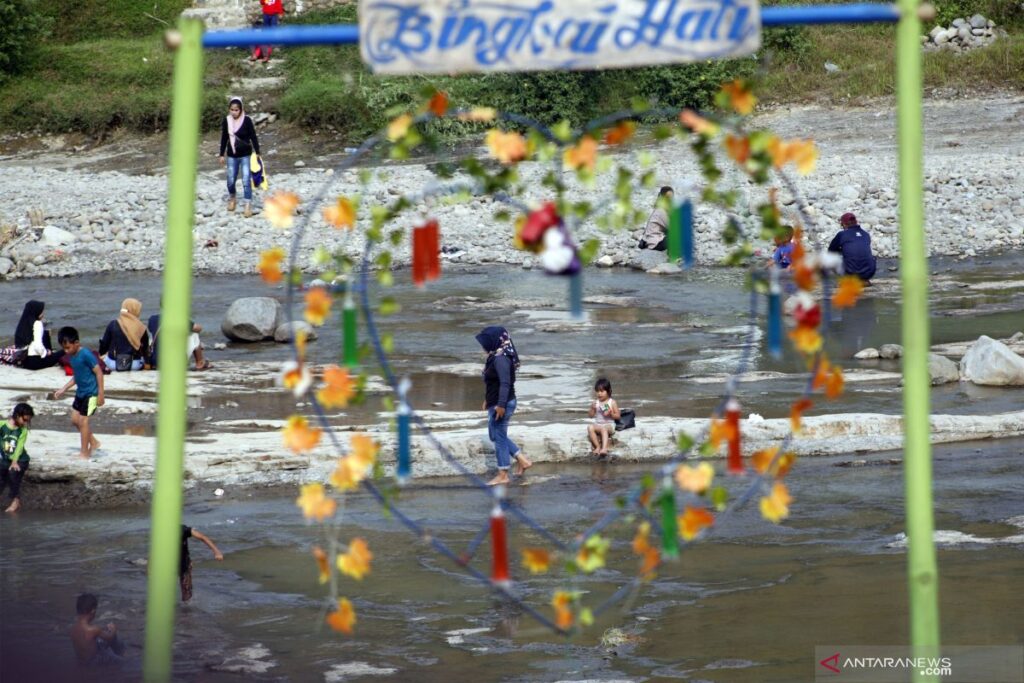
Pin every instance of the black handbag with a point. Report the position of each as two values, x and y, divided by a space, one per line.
627 419
123 362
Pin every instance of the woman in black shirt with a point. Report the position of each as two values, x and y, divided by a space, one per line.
238 139
125 342
500 399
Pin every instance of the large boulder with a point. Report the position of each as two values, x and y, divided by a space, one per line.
942 370
252 319
56 237
991 362
890 351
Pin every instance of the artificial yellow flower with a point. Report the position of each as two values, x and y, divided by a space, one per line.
321 563
356 562
741 99
805 156
620 133
695 479
562 602
398 127
279 209
299 436
318 306
698 124
315 502
806 339
479 115
338 389
738 149
296 377
270 265
796 412
591 554
507 148
849 289
775 506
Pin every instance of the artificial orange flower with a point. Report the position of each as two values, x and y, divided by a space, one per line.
341 214
796 412
803 275
398 127
301 339
806 339
438 104
693 520
364 449
775 506
834 383
695 479
763 462
353 467
338 389
296 377
315 502
738 149
299 436
778 150
805 156
720 431
479 114
343 618
270 265
849 289
562 602
591 554
741 99
620 133
537 560
640 542
697 123
321 563
507 148
583 155
821 371
356 562
318 306
279 208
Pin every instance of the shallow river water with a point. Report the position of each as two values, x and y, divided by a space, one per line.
749 604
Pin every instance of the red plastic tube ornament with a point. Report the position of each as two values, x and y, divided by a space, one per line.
732 418
426 253
499 546
536 224
807 314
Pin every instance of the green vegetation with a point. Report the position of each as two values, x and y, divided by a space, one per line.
103 65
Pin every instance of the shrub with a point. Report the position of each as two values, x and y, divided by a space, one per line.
22 28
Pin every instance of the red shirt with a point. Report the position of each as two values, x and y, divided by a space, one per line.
272 6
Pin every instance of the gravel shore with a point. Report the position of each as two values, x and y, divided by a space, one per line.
72 220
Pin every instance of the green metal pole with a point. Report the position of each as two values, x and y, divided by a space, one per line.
922 573
165 522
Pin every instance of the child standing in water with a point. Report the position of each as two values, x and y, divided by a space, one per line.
88 380
13 456
605 412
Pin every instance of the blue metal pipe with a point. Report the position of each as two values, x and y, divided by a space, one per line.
348 34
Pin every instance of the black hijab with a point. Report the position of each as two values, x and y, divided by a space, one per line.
496 340
29 316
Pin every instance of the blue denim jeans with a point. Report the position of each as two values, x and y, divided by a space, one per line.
497 431
234 164
269 21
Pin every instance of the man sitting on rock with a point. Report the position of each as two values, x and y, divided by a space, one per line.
854 243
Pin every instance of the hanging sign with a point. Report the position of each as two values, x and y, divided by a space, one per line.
448 36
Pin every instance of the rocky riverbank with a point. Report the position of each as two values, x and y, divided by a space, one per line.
68 219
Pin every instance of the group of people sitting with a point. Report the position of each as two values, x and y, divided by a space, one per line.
127 343
853 242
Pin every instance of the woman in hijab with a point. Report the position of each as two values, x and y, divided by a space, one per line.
32 332
500 399
238 139
125 342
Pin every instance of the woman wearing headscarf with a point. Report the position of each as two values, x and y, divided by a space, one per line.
125 342
238 140
499 375
32 333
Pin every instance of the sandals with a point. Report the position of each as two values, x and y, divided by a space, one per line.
206 366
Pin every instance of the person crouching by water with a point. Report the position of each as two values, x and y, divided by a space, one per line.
854 243
125 342
500 399
32 333
656 230
238 139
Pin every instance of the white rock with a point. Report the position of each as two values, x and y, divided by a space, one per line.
6 265
992 363
867 354
285 332
252 319
606 261
890 351
942 370
55 237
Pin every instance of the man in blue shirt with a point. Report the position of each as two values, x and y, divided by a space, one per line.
854 243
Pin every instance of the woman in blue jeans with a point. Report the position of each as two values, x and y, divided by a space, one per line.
238 140
500 399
